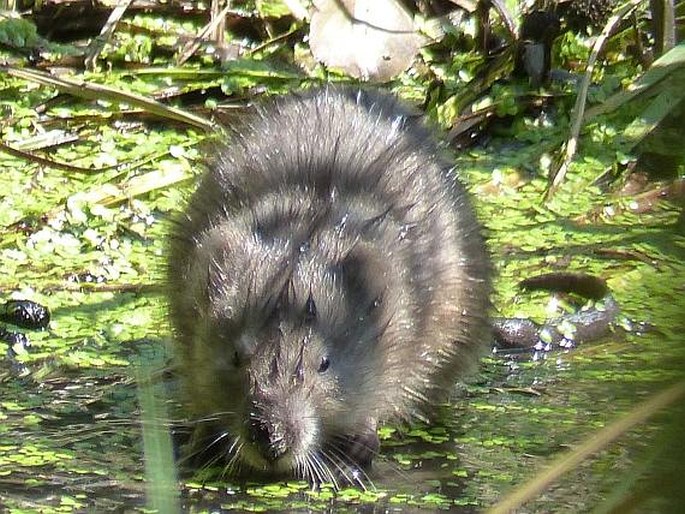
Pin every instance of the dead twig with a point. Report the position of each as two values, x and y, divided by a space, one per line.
558 172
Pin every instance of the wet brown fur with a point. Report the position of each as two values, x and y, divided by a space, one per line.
329 228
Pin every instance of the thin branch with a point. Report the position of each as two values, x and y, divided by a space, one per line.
600 440
558 174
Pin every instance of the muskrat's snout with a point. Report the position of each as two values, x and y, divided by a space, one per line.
269 438
279 432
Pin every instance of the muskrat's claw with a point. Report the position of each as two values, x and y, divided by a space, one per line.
363 447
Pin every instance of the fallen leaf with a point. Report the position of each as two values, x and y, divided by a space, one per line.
368 39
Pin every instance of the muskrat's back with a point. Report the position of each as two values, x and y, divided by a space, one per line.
328 274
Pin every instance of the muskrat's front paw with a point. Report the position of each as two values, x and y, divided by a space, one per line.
364 447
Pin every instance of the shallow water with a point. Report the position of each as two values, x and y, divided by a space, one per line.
70 437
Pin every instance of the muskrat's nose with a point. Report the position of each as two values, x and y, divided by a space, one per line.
268 438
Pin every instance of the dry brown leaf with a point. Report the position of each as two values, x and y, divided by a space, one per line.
368 39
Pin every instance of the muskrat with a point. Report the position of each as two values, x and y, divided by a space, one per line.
329 274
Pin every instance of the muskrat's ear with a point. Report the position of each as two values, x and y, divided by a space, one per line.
310 309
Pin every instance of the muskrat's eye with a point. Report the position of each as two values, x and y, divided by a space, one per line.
325 363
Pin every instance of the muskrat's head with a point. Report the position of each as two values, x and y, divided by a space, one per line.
293 400
283 360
